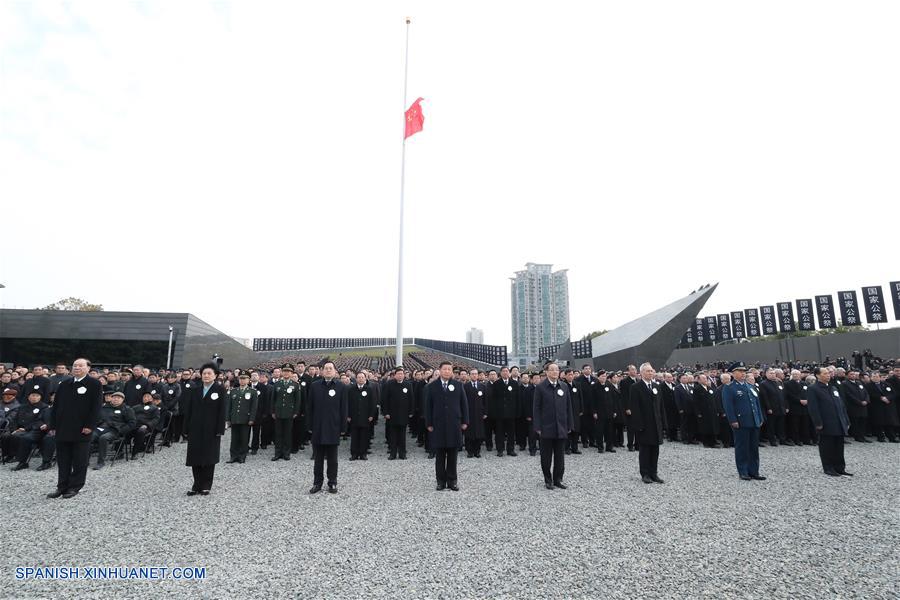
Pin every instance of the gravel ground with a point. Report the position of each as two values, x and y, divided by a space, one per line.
389 534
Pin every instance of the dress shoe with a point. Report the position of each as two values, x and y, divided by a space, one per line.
453 486
789 443
656 479
315 489
895 440
646 479
363 457
99 466
332 488
845 473
469 455
192 492
560 485
253 452
430 455
548 485
513 453
353 458
276 457
204 492
44 466
392 457
440 486
20 467
746 478
286 457
576 451
568 451
532 452
611 450
831 473
55 494
231 461
70 494
402 457
757 477
499 452
867 441
631 449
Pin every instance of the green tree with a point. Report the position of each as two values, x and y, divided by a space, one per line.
594 334
73 304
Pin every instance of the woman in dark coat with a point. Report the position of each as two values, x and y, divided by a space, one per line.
204 423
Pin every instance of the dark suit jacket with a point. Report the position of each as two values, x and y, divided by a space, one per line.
826 409
553 417
73 410
446 411
647 416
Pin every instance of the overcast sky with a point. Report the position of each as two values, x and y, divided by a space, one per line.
241 160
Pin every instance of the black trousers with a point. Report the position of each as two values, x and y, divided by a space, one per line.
603 434
261 432
445 464
619 434
799 427
296 437
553 453
588 433
521 432
631 441
21 444
473 445
489 427
775 428
648 457
532 438
858 428
240 438
687 427
139 439
282 430
505 429
726 436
203 477
831 451
397 439
573 441
103 440
321 453
176 425
72 464
359 439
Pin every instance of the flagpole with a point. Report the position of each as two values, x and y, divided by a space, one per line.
399 355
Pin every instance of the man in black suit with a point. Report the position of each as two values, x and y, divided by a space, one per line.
446 418
647 418
505 403
829 416
73 418
856 399
397 408
553 421
684 400
328 411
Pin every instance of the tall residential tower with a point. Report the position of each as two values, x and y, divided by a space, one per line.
540 309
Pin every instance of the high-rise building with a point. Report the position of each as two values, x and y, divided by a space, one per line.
540 309
474 336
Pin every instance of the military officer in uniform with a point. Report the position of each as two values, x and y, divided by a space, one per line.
285 408
740 401
240 413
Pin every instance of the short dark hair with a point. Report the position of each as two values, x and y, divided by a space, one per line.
328 362
398 370
210 365
445 362
820 369
585 365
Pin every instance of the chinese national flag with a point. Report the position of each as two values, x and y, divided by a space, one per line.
414 119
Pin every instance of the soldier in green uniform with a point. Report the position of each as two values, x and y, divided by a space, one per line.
285 408
239 414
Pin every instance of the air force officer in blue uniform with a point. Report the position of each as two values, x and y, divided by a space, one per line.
741 404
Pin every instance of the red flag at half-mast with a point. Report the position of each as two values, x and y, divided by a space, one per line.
414 119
